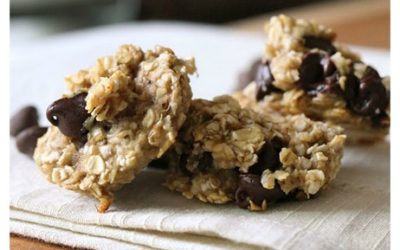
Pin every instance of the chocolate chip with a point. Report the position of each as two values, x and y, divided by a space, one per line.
371 72
278 143
260 73
68 114
351 88
160 163
268 156
27 139
366 96
318 74
205 161
372 95
380 120
319 43
311 72
330 85
264 79
183 161
250 188
22 119
328 67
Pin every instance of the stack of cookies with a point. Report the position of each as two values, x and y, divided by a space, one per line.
279 138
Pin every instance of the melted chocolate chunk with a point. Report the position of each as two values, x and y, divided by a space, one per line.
260 73
330 85
27 139
317 73
250 188
311 71
320 43
69 114
328 67
268 156
264 79
351 88
378 120
366 96
371 72
183 160
373 95
160 163
24 118
205 162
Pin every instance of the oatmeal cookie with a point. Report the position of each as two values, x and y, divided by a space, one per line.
226 153
117 116
303 71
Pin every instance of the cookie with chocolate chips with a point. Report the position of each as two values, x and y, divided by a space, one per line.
225 153
303 71
117 117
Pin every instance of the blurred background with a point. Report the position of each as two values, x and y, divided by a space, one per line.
32 19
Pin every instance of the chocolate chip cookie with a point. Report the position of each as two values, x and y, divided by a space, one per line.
225 153
118 115
304 71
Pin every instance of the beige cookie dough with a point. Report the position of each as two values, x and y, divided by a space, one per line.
136 102
225 153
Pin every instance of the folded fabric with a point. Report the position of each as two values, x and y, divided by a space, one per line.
352 214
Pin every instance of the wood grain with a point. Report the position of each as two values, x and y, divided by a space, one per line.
364 22
19 242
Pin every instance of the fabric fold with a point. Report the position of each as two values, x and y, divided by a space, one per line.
352 213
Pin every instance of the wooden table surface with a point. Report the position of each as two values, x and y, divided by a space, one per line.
364 23
360 22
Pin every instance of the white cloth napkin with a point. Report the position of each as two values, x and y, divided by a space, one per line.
352 214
